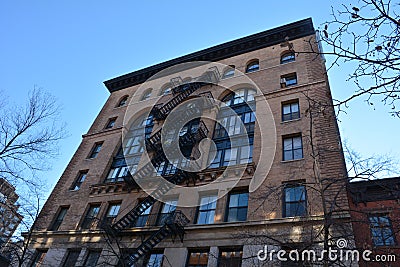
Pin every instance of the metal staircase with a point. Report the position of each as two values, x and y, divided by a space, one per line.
175 222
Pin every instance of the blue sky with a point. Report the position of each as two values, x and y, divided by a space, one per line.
70 47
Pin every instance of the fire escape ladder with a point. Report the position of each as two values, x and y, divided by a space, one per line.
173 225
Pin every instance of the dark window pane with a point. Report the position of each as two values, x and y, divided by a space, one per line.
92 258
71 259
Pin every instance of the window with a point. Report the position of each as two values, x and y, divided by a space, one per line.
234 130
92 258
72 257
154 260
166 90
253 66
119 168
110 123
95 151
123 101
147 94
91 216
292 148
206 210
294 200
237 208
381 230
290 111
38 259
167 208
112 213
60 217
287 57
78 182
228 72
134 142
288 80
230 257
142 218
197 258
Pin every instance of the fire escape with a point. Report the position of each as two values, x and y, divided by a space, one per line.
184 139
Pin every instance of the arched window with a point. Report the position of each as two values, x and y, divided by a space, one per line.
287 57
228 72
234 143
166 89
146 94
254 65
123 101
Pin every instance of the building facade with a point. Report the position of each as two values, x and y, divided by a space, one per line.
375 213
257 122
9 216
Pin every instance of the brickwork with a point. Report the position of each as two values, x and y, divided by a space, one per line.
265 204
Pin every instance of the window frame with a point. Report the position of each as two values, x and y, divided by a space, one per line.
229 263
197 250
110 123
228 206
288 80
146 94
74 258
82 175
87 221
205 209
40 256
57 221
288 56
291 185
293 149
250 66
88 254
229 72
388 227
95 150
291 114
110 218
122 101
157 253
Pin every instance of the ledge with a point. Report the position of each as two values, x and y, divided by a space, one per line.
236 47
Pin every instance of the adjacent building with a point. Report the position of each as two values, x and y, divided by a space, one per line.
9 216
375 213
256 111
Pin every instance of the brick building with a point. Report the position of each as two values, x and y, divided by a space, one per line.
9 216
375 212
262 182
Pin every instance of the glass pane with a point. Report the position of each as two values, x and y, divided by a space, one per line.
287 143
250 95
234 200
297 142
243 199
295 107
298 153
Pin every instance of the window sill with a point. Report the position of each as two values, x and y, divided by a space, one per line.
288 121
291 160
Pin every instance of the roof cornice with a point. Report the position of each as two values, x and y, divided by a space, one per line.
236 47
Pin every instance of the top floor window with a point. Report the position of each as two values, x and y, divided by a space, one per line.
228 72
254 65
166 89
123 101
287 57
147 94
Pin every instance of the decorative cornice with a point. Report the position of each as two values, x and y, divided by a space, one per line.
236 47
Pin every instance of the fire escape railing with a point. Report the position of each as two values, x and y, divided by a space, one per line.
171 224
